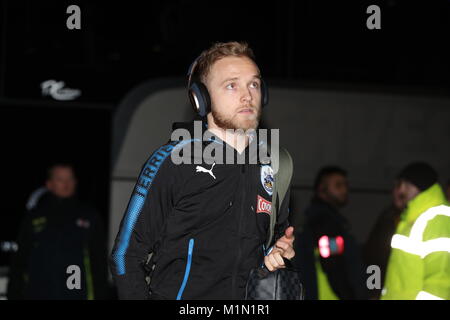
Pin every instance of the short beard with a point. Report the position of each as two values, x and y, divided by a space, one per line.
338 203
228 123
331 199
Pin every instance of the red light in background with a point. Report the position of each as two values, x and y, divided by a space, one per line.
324 247
340 244
331 246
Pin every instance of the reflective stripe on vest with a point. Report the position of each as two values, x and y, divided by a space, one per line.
423 295
421 223
420 248
414 244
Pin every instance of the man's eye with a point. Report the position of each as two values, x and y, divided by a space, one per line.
230 86
255 85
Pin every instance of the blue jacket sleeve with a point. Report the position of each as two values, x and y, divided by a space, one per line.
142 223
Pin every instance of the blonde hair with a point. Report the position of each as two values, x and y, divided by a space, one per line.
218 51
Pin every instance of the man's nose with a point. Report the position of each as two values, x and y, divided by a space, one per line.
246 96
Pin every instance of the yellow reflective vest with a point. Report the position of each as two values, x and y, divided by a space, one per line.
419 264
325 292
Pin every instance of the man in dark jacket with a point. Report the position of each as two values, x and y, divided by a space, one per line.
58 233
378 245
204 222
327 253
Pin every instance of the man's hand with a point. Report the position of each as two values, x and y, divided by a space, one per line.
283 248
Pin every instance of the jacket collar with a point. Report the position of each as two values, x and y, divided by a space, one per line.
252 151
431 197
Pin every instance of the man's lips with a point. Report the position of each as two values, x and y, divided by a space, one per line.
246 111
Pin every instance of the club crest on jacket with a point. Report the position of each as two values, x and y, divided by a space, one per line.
267 178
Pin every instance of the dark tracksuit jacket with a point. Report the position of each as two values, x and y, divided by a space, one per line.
344 271
56 234
206 230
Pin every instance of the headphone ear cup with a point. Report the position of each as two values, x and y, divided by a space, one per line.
199 98
264 93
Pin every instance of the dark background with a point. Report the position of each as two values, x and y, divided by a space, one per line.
122 44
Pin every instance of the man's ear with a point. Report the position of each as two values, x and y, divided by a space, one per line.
48 184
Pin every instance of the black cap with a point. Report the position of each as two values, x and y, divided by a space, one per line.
420 174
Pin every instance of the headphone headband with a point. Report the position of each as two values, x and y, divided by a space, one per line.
191 70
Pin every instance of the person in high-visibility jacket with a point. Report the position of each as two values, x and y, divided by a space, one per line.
419 264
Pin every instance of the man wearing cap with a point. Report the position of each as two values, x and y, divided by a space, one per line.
419 264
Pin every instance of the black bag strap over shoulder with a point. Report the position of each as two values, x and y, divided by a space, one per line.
281 284
282 180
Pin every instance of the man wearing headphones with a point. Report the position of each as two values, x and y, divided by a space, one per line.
195 230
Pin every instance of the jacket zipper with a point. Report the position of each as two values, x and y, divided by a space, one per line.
188 269
236 266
